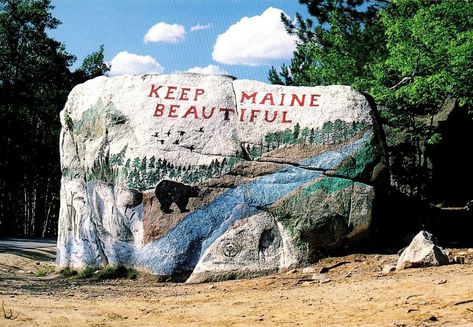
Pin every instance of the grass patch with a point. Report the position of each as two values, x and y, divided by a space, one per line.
68 272
87 272
112 272
44 271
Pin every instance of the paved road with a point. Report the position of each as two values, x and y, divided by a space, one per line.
44 249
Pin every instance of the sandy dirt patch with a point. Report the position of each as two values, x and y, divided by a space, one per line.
355 293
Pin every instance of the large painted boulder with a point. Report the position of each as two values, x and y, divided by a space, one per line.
201 178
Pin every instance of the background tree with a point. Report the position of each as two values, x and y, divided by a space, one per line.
34 83
338 48
413 56
429 64
92 66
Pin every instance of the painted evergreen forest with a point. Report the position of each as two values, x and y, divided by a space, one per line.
144 173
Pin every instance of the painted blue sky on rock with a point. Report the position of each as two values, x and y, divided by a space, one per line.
242 38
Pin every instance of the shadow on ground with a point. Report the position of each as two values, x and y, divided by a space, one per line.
35 249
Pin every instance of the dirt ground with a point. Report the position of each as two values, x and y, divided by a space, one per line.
354 293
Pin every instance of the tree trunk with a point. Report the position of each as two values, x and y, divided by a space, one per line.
25 213
46 220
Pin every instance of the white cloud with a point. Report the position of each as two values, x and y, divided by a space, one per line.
209 70
125 63
163 32
199 27
255 41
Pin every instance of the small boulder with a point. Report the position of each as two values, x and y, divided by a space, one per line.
422 252
388 268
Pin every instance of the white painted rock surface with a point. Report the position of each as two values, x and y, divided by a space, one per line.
163 172
422 252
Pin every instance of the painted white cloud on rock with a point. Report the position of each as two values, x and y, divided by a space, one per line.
125 63
163 32
208 70
255 41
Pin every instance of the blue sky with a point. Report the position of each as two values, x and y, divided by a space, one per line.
210 36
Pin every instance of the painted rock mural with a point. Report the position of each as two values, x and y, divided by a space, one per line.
201 178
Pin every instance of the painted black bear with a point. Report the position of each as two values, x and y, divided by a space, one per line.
168 192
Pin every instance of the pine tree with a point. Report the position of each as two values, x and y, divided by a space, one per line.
411 56
34 83
297 129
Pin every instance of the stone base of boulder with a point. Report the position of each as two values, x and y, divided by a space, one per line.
251 247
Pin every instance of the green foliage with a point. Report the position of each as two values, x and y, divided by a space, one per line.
92 123
304 212
87 272
103 273
323 10
411 55
34 83
330 133
337 52
103 171
144 173
44 271
68 272
430 55
94 65
328 185
117 159
131 274
115 272
71 172
436 138
233 161
429 61
364 161
69 123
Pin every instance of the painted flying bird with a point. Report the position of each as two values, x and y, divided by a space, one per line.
156 134
168 133
201 130
192 147
176 142
181 133
162 141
